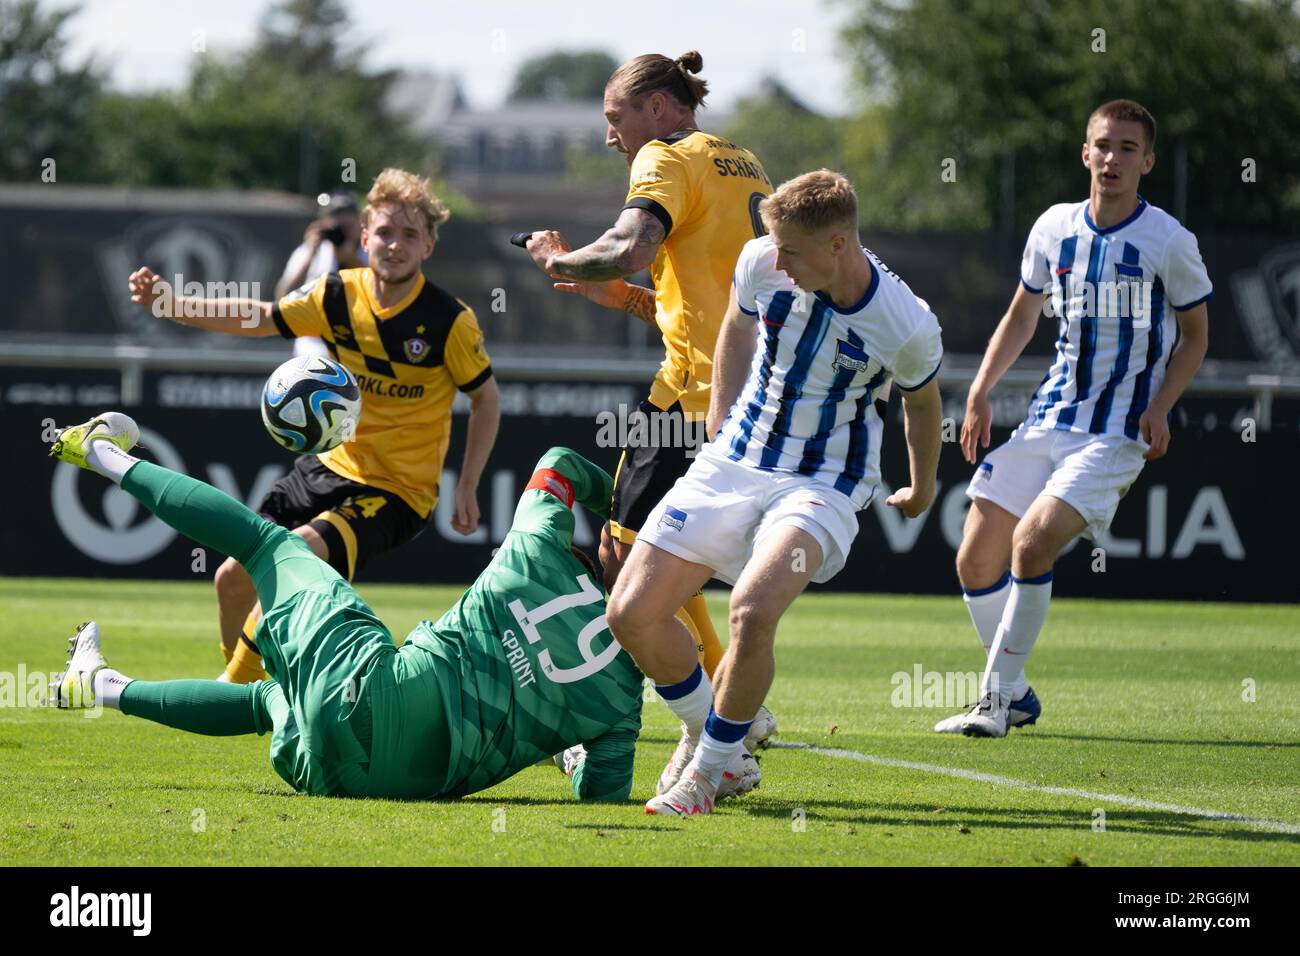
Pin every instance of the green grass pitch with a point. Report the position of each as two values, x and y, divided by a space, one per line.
1151 702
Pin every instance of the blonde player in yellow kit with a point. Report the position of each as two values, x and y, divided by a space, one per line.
692 204
411 346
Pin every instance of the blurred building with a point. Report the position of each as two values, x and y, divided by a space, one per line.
525 137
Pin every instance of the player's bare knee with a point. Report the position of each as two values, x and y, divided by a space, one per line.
232 581
1032 550
752 621
975 567
314 541
625 620
965 565
753 636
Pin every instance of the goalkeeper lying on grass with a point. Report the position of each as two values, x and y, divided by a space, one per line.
521 668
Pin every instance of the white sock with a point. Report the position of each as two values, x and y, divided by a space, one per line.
691 700
986 606
718 744
1021 623
109 684
105 458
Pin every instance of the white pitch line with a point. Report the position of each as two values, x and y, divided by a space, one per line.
1276 826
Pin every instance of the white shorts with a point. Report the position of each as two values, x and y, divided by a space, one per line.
1090 473
719 511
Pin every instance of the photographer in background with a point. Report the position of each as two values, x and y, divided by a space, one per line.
332 242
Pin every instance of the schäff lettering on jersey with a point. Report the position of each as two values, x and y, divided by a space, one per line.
739 167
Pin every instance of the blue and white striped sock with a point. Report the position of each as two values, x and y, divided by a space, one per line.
691 700
718 744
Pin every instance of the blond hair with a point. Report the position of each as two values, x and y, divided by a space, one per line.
653 72
812 202
406 189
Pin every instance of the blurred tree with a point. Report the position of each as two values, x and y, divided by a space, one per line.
307 37
1004 87
44 104
562 75
297 111
786 136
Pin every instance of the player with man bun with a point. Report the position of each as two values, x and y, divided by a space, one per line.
692 204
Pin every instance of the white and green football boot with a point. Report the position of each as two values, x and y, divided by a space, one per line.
74 689
73 443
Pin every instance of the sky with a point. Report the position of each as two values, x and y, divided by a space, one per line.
148 44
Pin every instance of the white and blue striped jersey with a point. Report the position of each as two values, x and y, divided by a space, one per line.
806 407
1114 292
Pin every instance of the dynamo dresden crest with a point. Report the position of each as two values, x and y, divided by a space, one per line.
1268 306
415 349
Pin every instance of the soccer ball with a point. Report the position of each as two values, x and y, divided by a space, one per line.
311 404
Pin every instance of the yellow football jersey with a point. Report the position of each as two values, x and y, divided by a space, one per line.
705 190
408 359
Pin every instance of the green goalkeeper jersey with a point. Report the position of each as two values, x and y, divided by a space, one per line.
525 663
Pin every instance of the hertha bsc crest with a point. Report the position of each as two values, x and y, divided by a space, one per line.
415 349
849 357
673 518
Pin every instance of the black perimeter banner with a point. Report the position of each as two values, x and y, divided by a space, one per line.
1213 520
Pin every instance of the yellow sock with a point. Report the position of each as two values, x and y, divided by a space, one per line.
226 652
246 663
687 623
706 638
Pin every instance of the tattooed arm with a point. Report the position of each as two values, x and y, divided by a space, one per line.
595 271
628 247
636 300
640 302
